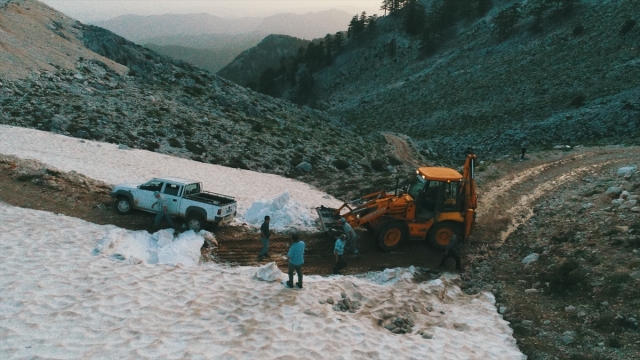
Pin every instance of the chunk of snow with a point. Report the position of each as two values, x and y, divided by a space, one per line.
269 272
135 247
284 212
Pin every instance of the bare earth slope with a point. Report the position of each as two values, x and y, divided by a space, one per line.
53 40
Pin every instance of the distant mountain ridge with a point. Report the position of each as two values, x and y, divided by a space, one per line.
306 26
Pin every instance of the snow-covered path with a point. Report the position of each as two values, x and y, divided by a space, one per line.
105 162
59 300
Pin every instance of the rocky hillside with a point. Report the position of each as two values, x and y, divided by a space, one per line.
110 89
246 68
563 74
558 244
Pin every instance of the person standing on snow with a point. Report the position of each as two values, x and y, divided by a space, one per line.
265 234
296 259
452 250
352 238
523 147
163 211
338 251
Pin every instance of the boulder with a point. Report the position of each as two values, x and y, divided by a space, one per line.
635 275
530 258
614 192
59 122
623 171
83 134
304 166
123 147
617 202
254 111
624 194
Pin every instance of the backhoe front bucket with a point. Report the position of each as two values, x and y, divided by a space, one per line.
327 217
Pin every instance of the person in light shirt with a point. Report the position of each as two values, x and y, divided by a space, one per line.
338 251
163 211
296 259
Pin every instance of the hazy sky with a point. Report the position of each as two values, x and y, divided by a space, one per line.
94 10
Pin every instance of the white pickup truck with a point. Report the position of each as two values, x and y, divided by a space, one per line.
185 199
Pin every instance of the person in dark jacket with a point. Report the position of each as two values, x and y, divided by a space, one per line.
296 259
265 234
524 144
452 250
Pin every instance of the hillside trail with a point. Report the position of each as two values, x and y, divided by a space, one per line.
513 194
402 151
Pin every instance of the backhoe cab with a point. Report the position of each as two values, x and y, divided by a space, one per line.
437 204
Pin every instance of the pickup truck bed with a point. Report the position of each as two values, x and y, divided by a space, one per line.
211 198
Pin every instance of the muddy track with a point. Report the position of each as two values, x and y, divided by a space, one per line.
516 192
402 151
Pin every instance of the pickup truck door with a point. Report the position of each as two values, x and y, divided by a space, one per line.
143 198
172 193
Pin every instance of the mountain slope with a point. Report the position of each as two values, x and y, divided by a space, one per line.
167 106
247 67
564 78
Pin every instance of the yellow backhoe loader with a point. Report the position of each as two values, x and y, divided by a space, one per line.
438 203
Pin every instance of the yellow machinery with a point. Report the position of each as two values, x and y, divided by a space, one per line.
438 203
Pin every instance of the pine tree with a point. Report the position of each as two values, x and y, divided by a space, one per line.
415 17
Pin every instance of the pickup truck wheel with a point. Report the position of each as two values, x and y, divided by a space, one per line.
391 235
195 223
123 205
441 233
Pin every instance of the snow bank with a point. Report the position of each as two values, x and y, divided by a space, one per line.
105 162
135 247
284 212
58 301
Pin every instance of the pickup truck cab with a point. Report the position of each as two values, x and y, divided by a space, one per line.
185 199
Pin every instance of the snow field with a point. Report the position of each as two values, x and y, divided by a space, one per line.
291 203
62 299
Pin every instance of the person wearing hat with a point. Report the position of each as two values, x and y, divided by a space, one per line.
338 251
352 238
163 210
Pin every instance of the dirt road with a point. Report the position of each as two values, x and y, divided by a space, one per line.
402 151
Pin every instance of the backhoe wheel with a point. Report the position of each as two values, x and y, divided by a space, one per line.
441 233
123 205
391 235
195 222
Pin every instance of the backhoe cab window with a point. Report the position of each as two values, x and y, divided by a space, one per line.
153 185
450 196
417 186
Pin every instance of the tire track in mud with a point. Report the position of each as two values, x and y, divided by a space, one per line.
528 183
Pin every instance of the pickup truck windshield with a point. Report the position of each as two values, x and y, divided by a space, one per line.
153 185
192 189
